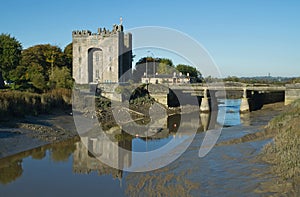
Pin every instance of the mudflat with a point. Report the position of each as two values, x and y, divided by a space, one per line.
19 135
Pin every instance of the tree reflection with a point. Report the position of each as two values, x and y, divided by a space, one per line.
11 172
39 153
63 150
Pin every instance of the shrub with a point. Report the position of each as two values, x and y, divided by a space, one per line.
19 104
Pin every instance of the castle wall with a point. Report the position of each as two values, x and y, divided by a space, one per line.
101 57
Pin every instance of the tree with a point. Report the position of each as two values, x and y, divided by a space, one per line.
61 78
68 52
144 63
38 64
165 66
232 79
46 55
193 72
19 78
35 75
153 65
10 55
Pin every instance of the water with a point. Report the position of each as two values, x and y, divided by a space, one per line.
69 169
230 108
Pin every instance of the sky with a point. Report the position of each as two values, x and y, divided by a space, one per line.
243 37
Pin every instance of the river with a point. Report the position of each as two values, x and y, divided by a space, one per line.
68 169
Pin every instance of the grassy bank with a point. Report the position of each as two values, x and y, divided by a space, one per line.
284 151
19 104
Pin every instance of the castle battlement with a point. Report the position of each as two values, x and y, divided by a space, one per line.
102 32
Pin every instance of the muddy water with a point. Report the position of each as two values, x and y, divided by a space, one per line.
68 169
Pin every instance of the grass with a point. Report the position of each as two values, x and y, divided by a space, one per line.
284 151
19 104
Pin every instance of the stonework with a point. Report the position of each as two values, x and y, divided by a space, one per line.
102 57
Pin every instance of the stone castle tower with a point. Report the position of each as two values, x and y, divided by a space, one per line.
102 57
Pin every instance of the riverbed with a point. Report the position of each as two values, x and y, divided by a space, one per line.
229 169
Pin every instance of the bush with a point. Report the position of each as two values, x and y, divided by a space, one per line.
19 104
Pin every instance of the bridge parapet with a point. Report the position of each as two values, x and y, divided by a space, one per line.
292 93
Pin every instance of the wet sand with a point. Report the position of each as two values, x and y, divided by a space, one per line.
30 132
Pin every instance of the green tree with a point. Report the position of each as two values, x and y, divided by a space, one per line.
46 55
41 63
10 55
232 79
153 65
165 66
19 78
61 78
68 52
140 68
193 72
35 75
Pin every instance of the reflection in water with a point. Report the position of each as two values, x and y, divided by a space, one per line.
62 151
10 171
230 109
11 167
84 163
245 119
86 160
188 174
38 153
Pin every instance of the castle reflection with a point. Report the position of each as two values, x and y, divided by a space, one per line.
91 151
110 152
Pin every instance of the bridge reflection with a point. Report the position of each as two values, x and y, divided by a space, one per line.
92 149
100 151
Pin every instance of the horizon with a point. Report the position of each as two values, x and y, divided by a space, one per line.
245 39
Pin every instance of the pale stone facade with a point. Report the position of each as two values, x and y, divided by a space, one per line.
102 57
166 78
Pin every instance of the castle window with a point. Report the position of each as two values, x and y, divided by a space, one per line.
97 57
110 68
79 73
79 49
97 74
79 60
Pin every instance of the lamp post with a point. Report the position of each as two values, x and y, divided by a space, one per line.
146 68
154 67
153 62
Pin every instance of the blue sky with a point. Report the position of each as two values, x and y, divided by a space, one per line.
245 38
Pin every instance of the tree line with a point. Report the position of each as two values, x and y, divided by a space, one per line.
164 66
45 67
38 68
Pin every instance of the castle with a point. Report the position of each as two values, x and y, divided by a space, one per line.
102 57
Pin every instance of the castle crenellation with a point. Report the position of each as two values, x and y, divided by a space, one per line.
102 32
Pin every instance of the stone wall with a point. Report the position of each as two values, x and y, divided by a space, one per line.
292 93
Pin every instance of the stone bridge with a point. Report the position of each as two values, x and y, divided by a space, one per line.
253 97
